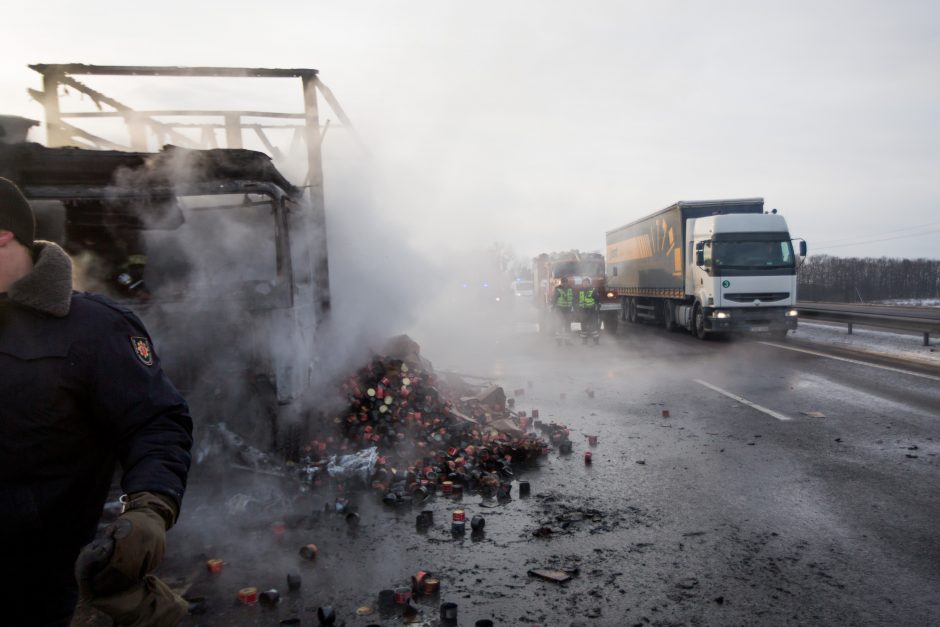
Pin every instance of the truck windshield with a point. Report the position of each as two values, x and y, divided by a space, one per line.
752 254
575 268
591 268
222 241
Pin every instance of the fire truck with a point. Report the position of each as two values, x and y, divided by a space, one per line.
550 268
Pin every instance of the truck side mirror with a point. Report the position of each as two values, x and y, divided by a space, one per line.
802 248
700 254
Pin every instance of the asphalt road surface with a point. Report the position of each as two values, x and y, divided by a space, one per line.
788 485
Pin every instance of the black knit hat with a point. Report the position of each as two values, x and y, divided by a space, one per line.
16 215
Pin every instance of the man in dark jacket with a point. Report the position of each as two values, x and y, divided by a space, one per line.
81 389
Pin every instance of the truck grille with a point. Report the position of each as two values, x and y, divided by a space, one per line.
764 297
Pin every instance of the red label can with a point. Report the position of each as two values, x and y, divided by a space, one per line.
248 596
402 595
431 586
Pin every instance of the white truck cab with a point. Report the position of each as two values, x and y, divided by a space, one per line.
741 274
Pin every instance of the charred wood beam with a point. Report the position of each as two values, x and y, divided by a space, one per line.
183 113
67 132
233 131
326 127
100 142
331 100
138 70
208 136
50 102
321 270
290 127
271 148
121 108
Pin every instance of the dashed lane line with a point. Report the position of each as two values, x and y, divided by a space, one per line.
853 361
744 401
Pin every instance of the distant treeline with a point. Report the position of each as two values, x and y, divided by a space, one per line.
854 279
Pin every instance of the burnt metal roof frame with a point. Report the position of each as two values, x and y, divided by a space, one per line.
62 134
110 192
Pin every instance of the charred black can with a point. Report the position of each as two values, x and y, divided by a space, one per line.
449 613
326 615
269 598
386 600
420 494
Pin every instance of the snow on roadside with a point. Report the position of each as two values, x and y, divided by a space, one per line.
905 346
911 302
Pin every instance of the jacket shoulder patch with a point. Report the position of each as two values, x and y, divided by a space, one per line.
142 349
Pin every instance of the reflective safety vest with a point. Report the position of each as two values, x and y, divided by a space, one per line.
587 299
564 296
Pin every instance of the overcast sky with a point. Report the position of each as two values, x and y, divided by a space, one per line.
545 123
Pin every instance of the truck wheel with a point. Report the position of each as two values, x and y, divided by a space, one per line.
669 317
610 322
698 319
631 310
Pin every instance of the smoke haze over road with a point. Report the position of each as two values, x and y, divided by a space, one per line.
545 124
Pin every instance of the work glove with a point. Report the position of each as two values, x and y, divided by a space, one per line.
113 572
148 603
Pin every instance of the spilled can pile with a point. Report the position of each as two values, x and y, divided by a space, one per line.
407 435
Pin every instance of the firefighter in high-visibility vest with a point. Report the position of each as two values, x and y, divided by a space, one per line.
587 308
562 304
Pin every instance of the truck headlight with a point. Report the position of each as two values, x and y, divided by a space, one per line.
610 294
792 313
722 314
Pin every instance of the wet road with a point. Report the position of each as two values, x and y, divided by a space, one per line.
784 487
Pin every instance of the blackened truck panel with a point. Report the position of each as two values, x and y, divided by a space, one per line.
649 254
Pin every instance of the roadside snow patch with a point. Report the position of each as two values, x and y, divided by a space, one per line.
906 346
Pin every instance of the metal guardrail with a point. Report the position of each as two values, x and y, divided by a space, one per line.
924 320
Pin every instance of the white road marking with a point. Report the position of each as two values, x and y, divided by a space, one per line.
853 361
744 401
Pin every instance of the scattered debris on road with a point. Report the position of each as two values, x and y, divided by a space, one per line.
813 414
554 576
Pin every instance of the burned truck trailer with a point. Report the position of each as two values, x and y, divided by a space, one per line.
709 266
233 300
